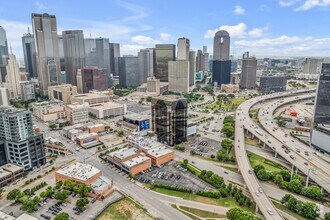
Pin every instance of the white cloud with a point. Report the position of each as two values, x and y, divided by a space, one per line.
165 36
238 31
285 46
309 4
137 11
144 40
239 10
40 6
287 3
130 49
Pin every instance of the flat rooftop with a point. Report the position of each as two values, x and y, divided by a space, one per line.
106 105
145 143
86 135
100 183
25 216
79 171
11 167
77 105
159 151
4 173
137 117
95 126
76 126
90 96
135 161
124 152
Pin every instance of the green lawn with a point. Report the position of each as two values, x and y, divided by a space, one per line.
269 165
202 213
252 142
185 213
123 210
224 202
285 209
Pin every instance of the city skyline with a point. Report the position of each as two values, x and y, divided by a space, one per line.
253 26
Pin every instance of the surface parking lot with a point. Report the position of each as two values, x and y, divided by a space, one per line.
174 175
206 147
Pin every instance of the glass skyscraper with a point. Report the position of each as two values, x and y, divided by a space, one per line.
164 53
3 53
30 55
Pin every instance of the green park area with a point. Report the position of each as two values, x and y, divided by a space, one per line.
123 210
197 214
224 104
269 165
121 91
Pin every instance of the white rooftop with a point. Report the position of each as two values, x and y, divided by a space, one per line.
11 167
100 183
135 161
123 153
25 216
79 171
95 126
159 151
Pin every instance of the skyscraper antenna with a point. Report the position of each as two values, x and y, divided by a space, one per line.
11 49
28 30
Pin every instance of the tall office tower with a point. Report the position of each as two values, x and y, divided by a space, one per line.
93 77
61 52
48 57
164 53
206 62
129 71
183 48
320 136
3 53
90 52
221 45
13 77
24 147
178 76
114 49
152 63
30 54
221 72
221 65
200 61
144 65
27 90
204 49
311 65
233 64
249 72
169 119
4 96
103 56
272 83
192 67
74 54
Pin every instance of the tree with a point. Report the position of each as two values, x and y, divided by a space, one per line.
83 189
81 203
62 216
31 205
310 210
69 184
258 167
286 175
52 126
221 156
228 119
226 144
313 192
13 194
278 179
185 162
120 133
228 130
263 175
295 186
62 196
327 216
212 156
58 185
240 214
149 98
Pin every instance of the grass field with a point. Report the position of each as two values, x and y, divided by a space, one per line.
123 210
222 105
285 209
185 213
224 202
252 142
269 165
202 213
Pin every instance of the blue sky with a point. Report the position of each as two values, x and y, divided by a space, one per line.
264 27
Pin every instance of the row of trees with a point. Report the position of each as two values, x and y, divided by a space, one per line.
180 147
283 179
28 204
164 186
228 127
223 153
308 210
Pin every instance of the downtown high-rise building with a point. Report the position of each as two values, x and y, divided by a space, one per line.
3 53
200 61
169 116
114 49
183 48
90 52
192 67
13 77
4 96
129 71
164 53
145 61
320 136
47 48
24 147
74 54
221 45
61 53
103 56
92 78
178 70
30 55
221 64
249 72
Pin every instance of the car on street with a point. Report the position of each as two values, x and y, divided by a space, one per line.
257 193
270 211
